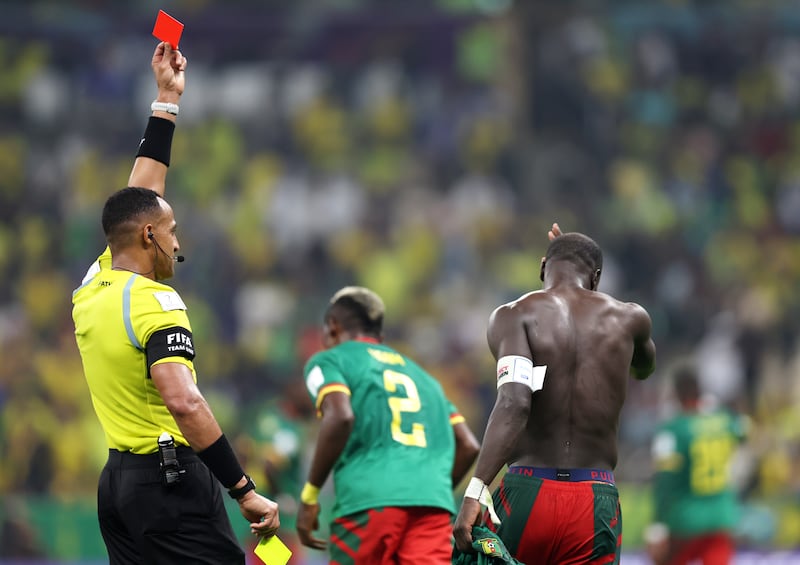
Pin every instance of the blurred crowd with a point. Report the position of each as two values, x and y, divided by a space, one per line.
421 149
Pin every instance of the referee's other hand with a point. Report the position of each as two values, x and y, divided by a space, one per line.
261 512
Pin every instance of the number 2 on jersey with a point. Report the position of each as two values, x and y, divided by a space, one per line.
400 405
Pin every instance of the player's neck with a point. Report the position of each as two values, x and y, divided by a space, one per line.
366 339
565 274
565 280
691 406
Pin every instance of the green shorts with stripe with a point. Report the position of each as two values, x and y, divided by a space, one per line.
392 535
557 522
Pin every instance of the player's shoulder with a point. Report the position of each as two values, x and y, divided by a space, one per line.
625 306
320 357
671 432
632 312
522 305
638 319
635 309
511 314
316 357
672 423
412 367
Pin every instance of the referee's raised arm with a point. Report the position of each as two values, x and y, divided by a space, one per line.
152 160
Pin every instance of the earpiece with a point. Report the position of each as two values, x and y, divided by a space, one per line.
176 258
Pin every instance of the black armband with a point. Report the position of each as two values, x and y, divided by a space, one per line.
169 342
157 140
221 461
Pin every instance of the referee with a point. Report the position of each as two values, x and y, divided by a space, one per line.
158 498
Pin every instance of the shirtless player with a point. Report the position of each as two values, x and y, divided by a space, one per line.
564 355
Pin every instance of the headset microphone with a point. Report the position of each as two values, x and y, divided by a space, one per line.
176 258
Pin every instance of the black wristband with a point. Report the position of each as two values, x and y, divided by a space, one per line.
221 461
237 493
157 140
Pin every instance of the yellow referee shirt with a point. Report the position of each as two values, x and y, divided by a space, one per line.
124 324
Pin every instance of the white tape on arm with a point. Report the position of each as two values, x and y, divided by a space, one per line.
477 490
519 369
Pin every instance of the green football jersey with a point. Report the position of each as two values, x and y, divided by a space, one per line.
692 485
401 449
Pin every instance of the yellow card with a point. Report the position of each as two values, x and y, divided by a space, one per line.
272 551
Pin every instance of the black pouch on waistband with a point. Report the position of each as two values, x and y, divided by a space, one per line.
168 460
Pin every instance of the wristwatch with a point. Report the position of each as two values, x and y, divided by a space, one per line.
238 493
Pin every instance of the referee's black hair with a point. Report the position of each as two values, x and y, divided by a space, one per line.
125 206
357 309
577 248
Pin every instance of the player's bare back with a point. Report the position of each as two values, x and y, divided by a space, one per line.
586 340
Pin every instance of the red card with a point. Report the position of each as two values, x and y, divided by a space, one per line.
168 29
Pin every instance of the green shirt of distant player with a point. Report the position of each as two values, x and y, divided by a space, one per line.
401 449
692 484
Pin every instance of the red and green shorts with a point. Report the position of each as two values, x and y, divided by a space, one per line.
558 521
710 548
392 535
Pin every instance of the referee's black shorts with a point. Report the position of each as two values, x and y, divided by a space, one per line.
144 522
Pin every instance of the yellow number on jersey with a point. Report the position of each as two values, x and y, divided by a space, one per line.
400 405
710 459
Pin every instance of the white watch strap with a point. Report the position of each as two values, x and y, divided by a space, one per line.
167 107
